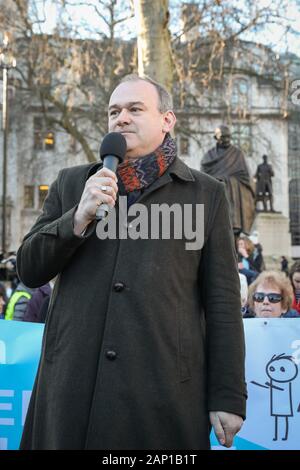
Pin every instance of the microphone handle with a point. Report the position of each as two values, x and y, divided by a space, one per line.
102 211
111 162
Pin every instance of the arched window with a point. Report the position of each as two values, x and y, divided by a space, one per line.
183 145
43 139
43 191
240 94
241 137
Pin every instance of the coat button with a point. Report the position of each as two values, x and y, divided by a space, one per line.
111 355
119 286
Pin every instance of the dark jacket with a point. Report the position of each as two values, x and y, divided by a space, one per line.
143 337
249 313
17 303
34 312
258 259
290 314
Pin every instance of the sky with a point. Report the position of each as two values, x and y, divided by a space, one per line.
274 35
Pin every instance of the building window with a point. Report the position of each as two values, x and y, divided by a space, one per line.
49 141
294 140
73 144
240 94
294 200
241 137
43 191
38 133
43 139
28 197
183 144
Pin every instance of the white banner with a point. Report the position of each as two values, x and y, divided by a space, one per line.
273 380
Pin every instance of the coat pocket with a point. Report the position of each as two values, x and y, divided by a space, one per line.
184 346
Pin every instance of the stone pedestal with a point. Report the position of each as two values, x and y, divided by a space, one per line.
273 234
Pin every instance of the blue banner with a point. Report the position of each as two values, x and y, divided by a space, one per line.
272 374
20 348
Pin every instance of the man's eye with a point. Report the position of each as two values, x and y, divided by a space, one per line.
113 113
134 109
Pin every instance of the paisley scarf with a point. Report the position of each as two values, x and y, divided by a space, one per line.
137 174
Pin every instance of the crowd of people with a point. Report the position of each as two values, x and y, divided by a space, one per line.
21 303
265 293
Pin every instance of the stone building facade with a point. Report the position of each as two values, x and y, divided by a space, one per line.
294 156
249 99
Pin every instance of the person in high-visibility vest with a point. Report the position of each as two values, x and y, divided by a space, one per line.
18 302
3 300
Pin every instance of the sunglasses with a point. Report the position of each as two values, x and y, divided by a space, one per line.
273 297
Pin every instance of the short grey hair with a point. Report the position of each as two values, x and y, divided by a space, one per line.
165 101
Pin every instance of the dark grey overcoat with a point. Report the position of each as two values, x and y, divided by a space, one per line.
143 337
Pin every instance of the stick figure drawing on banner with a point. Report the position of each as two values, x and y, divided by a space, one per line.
281 370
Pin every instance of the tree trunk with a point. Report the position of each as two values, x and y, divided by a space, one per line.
154 47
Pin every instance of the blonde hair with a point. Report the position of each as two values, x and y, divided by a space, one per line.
273 278
249 245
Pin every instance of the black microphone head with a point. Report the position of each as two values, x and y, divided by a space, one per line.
113 143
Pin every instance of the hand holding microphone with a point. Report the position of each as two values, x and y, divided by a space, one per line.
112 152
101 189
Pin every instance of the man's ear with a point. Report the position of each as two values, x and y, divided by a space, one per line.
169 121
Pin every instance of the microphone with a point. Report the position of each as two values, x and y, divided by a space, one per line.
112 152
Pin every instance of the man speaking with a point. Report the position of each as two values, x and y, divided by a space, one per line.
143 346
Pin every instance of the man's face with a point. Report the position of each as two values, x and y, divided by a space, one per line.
134 112
225 140
222 135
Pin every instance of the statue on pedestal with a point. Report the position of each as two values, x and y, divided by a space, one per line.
227 162
264 190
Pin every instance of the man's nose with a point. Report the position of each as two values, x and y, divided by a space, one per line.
123 117
266 300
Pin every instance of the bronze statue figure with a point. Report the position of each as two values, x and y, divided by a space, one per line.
264 190
227 162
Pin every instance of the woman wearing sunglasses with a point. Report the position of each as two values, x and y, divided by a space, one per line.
270 296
